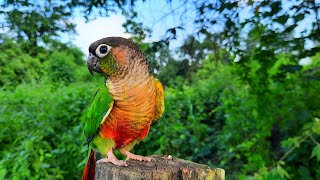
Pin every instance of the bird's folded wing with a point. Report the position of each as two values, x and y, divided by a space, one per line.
159 108
99 109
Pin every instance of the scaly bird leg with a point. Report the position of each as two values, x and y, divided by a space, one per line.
134 157
112 159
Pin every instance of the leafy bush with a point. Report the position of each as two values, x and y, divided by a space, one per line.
42 131
17 66
60 68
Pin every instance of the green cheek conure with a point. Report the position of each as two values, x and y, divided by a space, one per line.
125 107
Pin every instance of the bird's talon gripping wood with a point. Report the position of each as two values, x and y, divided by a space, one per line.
114 161
135 157
125 106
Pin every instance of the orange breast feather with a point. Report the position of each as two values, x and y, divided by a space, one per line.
131 117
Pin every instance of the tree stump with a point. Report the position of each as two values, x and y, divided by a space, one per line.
160 168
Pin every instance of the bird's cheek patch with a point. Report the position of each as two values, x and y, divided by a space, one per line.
121 55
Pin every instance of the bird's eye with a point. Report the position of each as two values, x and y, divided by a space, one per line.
102 50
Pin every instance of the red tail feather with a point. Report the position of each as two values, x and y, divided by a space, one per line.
90 169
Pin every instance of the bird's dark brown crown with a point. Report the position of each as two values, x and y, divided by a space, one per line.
114 42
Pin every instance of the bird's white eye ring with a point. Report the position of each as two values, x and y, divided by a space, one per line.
102 50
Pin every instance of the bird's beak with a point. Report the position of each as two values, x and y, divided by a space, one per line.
93 64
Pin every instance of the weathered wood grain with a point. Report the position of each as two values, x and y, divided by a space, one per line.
160 168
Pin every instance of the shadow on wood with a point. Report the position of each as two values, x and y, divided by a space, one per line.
160 168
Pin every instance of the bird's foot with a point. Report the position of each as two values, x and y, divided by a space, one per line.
114 161
136 157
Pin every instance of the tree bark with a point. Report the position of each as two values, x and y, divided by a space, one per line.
160 168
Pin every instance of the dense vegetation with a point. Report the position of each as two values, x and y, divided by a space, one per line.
257 117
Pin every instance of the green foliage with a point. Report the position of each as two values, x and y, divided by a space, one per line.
60 68
36 21
272 111
39 129
17 66
42 101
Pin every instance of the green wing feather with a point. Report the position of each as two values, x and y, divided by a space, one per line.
99 107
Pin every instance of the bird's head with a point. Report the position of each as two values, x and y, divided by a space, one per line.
113 55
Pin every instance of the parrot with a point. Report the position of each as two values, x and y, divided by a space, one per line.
125 106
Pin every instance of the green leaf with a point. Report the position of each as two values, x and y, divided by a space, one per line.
282 172
290 142
316 126
282 19
316 152
3 173
298 17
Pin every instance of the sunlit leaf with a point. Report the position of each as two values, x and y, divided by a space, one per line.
282 172
316 126
316 152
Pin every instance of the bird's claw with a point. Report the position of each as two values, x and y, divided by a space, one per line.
113 161
138 157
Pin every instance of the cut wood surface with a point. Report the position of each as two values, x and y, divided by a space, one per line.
160 168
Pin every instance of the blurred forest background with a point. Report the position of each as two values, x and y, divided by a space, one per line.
242 92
